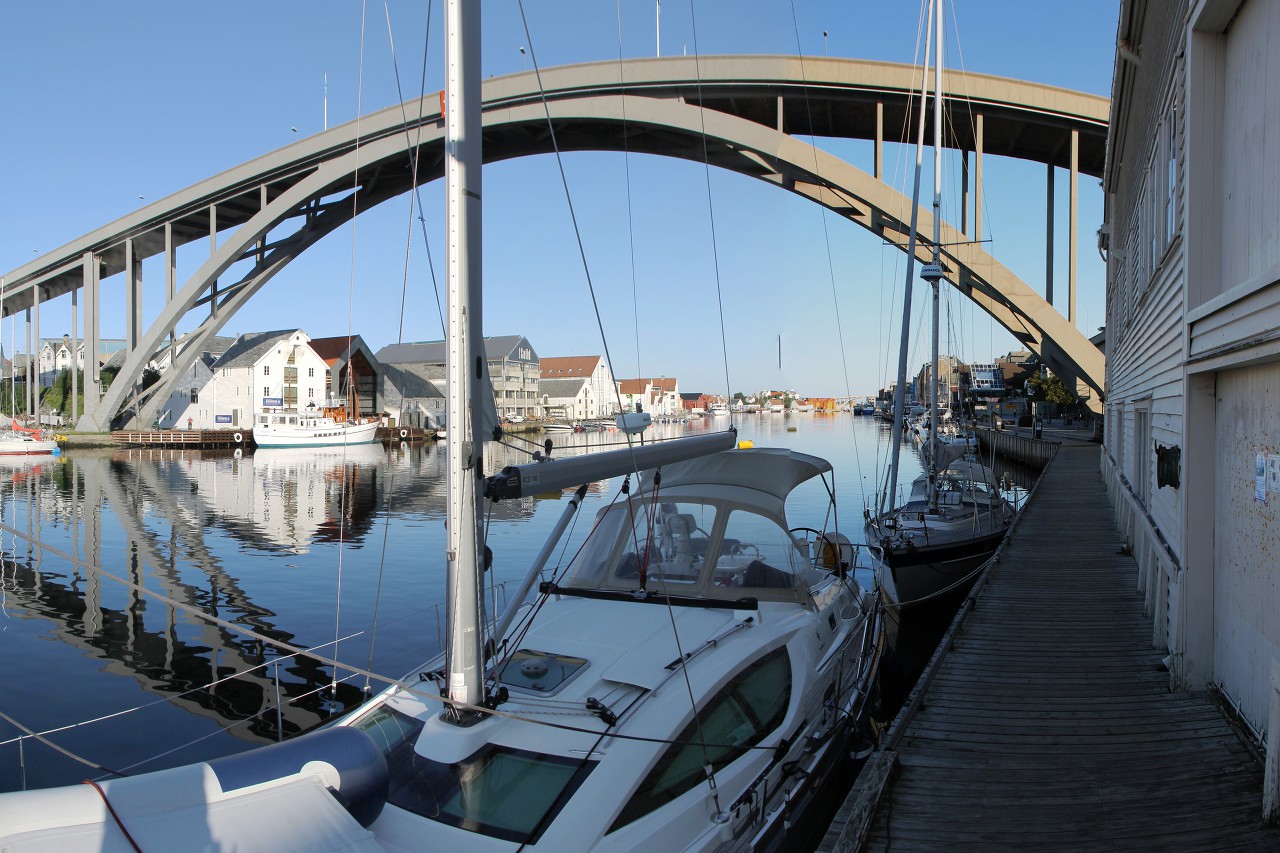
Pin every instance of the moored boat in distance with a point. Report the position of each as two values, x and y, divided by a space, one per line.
24 444
954 517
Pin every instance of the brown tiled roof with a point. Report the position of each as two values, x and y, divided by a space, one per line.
570 366
332 349
638 386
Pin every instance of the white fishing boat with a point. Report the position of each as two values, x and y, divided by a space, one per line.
689 678
330 427
952 520
716 410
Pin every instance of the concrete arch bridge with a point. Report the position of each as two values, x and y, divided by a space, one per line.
261 215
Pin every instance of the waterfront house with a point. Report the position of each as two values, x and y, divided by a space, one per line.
54 356
659 397
696 402
351 373
411 396
1192 241
603 395
261 375
571 399
513 370
184 399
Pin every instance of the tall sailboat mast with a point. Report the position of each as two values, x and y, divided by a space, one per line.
464 357
934 272
900 390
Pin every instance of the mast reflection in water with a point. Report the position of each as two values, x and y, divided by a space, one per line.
299 547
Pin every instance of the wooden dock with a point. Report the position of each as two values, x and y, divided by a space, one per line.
1045 720
230 438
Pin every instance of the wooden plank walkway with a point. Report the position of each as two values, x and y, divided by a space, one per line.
1050 725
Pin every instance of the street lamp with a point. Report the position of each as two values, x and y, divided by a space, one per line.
824 42
522 58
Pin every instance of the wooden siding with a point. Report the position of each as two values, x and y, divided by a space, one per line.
1147 296
1250 215
1049 724
1247 593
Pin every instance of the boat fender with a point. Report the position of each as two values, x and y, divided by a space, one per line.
350 764
404 433
238 438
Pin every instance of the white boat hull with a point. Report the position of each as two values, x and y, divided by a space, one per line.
14 446
286 435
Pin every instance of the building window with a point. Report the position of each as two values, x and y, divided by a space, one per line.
195 398
311 392
311 372
266 390
1171 172
266 370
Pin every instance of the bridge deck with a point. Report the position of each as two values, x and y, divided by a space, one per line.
1050 725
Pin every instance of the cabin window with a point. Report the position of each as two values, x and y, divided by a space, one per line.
506 793
740 716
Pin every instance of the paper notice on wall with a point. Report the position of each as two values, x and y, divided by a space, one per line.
1273 472
1260 477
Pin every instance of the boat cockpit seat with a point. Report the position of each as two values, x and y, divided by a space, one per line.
682 528
763 576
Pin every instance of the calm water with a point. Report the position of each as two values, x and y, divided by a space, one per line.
301 547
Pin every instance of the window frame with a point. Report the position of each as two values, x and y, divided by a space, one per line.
644 800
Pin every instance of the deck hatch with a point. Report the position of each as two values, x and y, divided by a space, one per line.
539 672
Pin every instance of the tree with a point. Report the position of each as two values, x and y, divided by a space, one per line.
1047 386
739 397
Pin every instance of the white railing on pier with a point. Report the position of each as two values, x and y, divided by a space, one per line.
1159 572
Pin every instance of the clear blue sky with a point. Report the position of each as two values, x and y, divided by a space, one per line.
107 102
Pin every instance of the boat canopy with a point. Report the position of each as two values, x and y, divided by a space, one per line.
709 528
760 478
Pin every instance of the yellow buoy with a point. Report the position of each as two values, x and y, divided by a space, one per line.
746 445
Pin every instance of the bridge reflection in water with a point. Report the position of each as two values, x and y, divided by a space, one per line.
265 542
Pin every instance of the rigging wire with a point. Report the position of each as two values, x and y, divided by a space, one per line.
826 236
410 688
887 338
351 290
568 196
711 211
412 145
631 231
728 390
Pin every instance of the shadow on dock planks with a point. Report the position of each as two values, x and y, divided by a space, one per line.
1049 724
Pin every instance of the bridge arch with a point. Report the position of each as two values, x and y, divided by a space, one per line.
304 191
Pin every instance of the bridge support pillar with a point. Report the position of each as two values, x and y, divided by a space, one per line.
1048 235
1074 215
977 178
132 295
170 274
91 422
75 361
879 141
37 381
213 248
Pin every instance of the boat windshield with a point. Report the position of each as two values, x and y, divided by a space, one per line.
506 793
688 547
